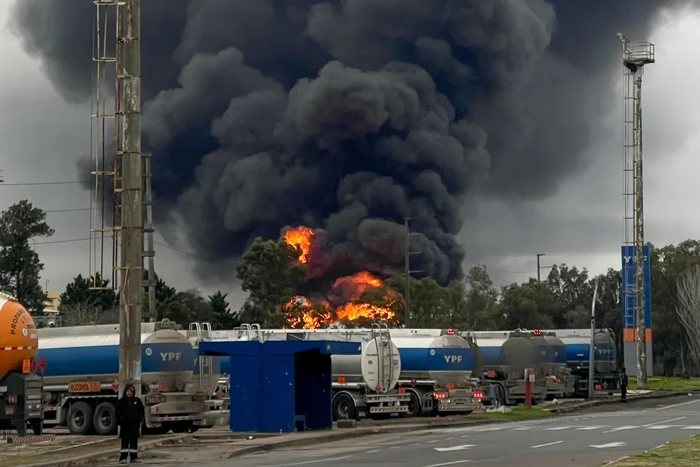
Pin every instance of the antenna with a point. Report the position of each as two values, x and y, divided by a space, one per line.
635 55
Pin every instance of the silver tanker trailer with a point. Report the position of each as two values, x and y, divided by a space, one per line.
437 370
503 361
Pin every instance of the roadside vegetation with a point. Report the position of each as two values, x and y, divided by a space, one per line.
669 384
679 453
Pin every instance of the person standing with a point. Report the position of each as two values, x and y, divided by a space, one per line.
623 385
130 415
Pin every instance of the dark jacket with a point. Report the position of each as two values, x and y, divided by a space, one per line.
130 414
623 380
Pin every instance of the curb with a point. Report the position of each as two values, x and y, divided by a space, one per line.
341 434
602 402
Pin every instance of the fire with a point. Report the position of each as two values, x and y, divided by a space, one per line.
346 291
300 237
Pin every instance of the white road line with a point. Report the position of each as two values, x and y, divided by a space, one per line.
694 427
678 405
372 451
662 422
558 428
434 441
545 445
317 461
521 428
622 428
591 428
449 463
395 447
661 427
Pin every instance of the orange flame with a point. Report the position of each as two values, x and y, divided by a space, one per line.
318 314
300 237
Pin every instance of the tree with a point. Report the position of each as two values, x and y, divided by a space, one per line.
269 271
80 291
20 267
689 311
481 309
186 307
87 313
532 305
223 318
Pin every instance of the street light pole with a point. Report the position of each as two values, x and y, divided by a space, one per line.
538 265
591 356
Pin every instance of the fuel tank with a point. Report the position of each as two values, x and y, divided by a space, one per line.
18 335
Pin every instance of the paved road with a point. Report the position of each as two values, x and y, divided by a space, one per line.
582 440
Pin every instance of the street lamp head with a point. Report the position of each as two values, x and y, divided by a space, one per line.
541 254
622 38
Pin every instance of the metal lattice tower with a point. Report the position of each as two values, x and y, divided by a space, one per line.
635 55
117 58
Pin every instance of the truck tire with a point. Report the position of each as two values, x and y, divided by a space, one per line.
79 419
415 407
344 407
105 419
181 427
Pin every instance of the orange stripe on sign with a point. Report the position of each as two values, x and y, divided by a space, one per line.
630 335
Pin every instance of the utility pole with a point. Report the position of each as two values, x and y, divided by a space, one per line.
635 55
591 356
539 268
2 178
407 268
128 151
148 230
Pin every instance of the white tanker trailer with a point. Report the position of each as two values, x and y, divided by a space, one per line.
82 372
365 383
437 370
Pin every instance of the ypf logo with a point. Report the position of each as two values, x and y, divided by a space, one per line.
149 351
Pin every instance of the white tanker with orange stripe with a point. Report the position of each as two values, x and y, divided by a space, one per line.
21 397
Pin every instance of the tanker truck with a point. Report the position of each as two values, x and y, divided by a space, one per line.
361 384
503 361
578 346
82 373
21 394
437 371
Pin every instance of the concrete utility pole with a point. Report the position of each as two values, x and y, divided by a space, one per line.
635 55
591 356
2 178
407 268
128 149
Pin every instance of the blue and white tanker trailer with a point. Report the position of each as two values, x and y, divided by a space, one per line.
437 370
503 360
578 346
366 383
82 373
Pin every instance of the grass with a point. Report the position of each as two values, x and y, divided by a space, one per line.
517 413
680 453
669 384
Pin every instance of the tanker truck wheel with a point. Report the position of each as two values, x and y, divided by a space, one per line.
79 419
37 427
344 407
414 406
105 419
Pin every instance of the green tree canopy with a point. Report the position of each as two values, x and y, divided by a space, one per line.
80 291
221 312
270 273
20 267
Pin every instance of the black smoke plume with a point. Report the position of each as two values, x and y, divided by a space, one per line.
351 115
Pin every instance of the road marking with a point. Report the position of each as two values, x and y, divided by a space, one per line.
434 441
678 405
455 448
522 428
494 428
660 427
591 428
622 428
448 439
372 451
617 444
317 461
662 422
557 428
545 445
449 463
694 427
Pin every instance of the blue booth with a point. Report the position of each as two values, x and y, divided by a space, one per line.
276 386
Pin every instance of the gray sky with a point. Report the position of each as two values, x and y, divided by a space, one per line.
43 136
